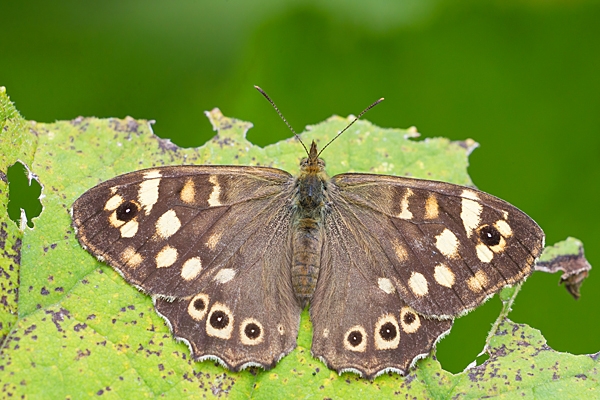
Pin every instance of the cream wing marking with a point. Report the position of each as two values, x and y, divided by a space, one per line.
418 284
191 268
213 200
404 204
447 243
148 190
166 257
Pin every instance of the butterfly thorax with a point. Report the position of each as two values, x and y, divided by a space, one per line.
310 200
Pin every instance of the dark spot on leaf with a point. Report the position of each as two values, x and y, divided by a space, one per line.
79 327
58 317
82 353
30 329
44 291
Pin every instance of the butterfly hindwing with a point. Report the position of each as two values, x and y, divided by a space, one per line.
360 322
211 252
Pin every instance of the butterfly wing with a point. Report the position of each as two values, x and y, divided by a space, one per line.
433 249
206 243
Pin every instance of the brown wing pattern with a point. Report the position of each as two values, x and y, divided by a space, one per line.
361 323
446 248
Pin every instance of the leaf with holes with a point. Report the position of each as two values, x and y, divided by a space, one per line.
77 322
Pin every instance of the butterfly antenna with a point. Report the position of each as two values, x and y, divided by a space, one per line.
351 123
281 115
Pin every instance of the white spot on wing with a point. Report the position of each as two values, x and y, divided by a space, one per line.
224 275
166 257
213 200
447 243
404 211
444 275
168 224
148 191
418 284
129 229
484 253
191 268
470 214
386 285
113 203
503 227
469 194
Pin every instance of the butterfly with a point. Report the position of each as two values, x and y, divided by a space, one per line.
232 255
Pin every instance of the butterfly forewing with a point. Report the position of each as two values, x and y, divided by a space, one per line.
211 245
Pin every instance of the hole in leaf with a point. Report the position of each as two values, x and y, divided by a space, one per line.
22 195
467 338
482 358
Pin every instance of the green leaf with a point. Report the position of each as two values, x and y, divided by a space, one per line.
77 329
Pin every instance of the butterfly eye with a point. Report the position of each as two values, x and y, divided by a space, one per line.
489 235
127 211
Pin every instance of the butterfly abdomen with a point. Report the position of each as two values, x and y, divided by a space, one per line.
306 240
306 231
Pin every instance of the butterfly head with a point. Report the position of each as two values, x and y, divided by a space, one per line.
312 164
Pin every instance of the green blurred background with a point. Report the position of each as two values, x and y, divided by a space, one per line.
520 77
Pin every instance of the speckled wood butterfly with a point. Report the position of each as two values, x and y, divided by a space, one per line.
232 254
